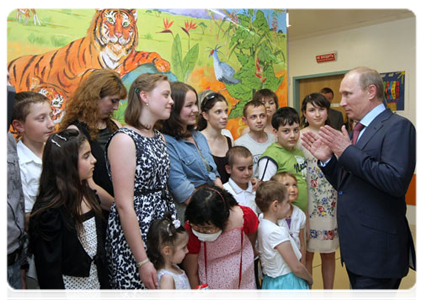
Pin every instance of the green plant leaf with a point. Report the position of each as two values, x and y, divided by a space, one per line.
176 57
189 61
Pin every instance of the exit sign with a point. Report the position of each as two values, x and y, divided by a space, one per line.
326 57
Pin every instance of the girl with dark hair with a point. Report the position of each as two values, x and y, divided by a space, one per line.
139 165
167 246
66 227
192 163
322 197
211 121
221 238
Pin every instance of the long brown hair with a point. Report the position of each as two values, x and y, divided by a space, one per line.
83 104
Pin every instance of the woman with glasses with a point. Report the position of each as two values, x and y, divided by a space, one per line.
212 120
191 161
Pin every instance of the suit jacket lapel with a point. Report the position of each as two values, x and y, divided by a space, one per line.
373 128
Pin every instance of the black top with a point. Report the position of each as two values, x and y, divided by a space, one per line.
57 250
221 162
100 176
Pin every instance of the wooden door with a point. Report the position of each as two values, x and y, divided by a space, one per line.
315 84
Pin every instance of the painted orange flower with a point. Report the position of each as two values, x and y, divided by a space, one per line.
188 27
167 25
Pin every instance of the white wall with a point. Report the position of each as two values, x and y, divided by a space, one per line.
385 47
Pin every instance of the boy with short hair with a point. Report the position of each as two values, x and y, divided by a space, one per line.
32 119
257 140
283 156
239 166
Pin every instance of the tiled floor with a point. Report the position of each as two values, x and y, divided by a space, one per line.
341 277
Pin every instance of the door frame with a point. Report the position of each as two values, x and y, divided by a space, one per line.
296 85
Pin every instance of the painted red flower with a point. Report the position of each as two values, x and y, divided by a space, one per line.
188 27
167 25
314 183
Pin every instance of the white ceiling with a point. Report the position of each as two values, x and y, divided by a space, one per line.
306 23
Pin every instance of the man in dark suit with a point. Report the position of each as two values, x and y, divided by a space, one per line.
372 177
336 120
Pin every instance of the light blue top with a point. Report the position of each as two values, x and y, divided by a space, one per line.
187 167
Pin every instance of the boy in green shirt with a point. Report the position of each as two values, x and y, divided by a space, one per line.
283 156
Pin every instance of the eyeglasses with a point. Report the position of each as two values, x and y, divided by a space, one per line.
205 228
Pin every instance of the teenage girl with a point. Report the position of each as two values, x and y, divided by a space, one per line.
167 246
322 197
296 219
212 120
279 255
66 227
221 238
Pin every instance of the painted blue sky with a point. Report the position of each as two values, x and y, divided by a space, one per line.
204 14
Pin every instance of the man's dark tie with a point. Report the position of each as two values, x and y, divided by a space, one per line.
356 131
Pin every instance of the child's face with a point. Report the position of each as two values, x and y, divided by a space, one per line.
256 118
180 249
316 116
270 104
291 186
288 135
217 116
241 170
38 125
86 161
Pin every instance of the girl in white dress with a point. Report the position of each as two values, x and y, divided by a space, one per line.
322 197
167 246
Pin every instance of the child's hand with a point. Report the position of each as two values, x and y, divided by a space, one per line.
199 296
148 275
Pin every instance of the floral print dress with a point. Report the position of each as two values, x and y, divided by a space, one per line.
322 199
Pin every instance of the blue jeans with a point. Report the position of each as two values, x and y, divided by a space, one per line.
14 275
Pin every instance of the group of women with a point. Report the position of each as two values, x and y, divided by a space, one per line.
133 177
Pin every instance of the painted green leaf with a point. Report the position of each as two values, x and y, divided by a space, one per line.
177 57
189 61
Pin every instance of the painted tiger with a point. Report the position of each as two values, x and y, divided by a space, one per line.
110 43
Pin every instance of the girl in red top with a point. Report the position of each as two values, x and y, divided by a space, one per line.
221 235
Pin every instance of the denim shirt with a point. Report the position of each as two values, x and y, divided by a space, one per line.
187 167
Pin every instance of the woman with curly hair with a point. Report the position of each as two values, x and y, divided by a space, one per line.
89 110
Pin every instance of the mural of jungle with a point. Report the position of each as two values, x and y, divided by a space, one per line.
234 52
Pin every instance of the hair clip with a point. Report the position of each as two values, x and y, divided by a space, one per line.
61 137
137 90
176 223
168 230
56 143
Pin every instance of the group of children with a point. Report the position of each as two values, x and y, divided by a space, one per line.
229 233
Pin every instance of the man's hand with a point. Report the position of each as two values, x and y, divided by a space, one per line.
335 140
313 143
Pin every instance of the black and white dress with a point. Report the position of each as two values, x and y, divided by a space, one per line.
151 201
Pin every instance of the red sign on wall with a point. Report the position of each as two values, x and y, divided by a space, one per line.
326 57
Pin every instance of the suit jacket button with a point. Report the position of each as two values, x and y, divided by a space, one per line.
340 192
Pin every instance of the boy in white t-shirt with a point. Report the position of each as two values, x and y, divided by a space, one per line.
32 120
239 166
256 140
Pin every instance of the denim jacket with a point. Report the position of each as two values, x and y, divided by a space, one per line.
187 167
